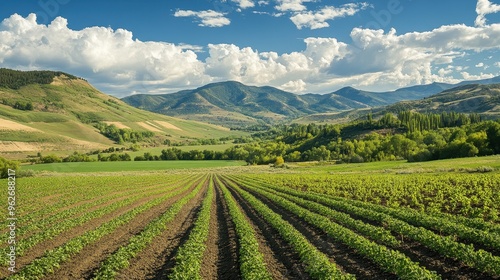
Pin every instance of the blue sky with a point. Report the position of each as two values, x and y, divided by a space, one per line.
127 47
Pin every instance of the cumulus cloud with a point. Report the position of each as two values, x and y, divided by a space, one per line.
207 18
481 76
483 8
111 59
244 3
291 5
118 64
318 19
479 65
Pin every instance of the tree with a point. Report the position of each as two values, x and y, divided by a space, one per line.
5 165
279 161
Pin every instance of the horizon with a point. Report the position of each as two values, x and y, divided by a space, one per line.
132 48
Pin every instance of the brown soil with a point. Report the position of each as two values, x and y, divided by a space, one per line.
211 254
225 256
82 264
156 261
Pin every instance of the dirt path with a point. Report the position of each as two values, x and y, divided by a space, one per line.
86 261
220 260
156 261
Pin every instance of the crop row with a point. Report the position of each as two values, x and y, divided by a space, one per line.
444 245
469 195
24 245
252 264
190 255
375 233
389 260
53 258
44 224
120 259
317 264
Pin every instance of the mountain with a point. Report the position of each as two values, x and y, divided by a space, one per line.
469 98
45 110
483 99
230 103
234 104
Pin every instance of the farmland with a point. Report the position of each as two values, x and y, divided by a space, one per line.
248 224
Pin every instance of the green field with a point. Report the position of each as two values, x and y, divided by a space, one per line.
118 166
401 166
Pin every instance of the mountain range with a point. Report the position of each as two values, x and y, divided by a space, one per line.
234 104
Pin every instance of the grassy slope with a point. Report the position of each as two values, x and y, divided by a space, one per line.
61 106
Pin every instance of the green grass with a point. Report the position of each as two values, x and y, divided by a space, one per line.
25 136
402 166
119 166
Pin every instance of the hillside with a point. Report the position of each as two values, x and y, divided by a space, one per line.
483 99
234 104
59 115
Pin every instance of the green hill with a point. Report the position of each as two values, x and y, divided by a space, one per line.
54 111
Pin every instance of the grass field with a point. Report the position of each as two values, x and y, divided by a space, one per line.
130 165
401 166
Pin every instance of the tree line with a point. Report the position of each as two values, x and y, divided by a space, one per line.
15 79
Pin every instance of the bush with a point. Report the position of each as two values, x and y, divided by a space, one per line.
5 165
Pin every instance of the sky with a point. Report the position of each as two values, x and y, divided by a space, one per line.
301 46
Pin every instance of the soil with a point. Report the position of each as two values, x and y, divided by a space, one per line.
83 264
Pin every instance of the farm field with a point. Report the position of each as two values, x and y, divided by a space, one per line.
245 225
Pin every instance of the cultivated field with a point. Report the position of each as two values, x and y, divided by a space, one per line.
229 225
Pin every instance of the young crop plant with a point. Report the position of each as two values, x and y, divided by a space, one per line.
252 265
190 255
445 245
52 259
120 259
318 266
389 260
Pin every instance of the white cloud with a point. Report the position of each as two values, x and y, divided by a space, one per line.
294 86
111 59
481 76
291 5
208 18
483 8
318 19
444 72
244 3
479 65
497 64
118 64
